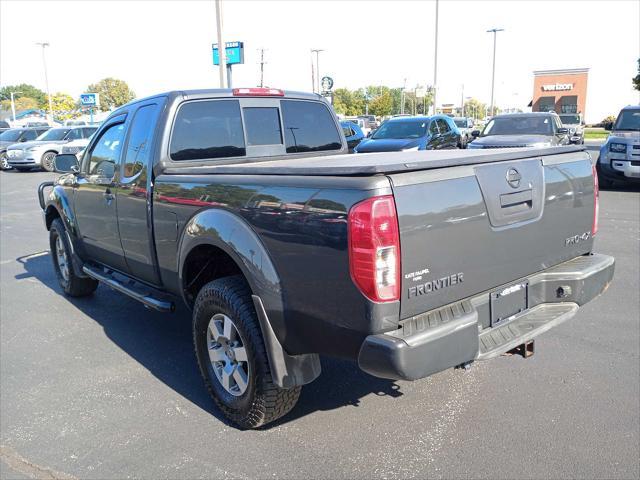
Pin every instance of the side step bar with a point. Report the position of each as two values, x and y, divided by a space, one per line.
145 298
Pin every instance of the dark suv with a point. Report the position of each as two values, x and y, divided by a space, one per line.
535 129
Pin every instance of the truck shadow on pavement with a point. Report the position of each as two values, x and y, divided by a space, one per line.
162 344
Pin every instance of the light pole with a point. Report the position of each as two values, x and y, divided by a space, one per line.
317 52
46 78
493 75
13 106
402 97
435 64
222 47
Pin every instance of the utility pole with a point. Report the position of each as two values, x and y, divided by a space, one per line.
262 67
402 96
313 76
435 64
222 47
13 106
493 75
46 77
317 52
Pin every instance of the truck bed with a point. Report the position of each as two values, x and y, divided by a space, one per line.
371 163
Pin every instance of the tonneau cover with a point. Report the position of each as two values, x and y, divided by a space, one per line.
371 163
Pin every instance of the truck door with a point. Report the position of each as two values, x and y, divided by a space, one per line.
434 136
95 197
134 220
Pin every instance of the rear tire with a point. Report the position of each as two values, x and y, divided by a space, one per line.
71 284
47 161
234 364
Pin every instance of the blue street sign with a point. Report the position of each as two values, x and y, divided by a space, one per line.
89 99
235 53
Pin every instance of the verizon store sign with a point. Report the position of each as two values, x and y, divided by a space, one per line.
554 87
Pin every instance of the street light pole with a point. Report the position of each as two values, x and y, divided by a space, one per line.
402 96
435 63
317 52
46 77
222 47
493 74
13 106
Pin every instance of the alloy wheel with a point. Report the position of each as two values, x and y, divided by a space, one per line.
227 354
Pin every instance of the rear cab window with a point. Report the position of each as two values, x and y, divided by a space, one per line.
208 129
251 127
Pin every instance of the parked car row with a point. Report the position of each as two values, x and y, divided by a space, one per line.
28 148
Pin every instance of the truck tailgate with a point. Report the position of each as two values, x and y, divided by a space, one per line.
467 229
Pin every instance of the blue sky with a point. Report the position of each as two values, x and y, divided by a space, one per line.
163 45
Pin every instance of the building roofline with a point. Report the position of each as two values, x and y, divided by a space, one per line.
563 71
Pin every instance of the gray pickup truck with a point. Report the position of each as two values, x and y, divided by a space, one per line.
243 205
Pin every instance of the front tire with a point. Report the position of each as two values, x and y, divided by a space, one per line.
47 161
71 284
4 162
232 357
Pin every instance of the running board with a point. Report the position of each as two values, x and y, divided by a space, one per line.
133 289
523 328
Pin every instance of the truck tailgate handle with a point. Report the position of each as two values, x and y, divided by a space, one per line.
523 199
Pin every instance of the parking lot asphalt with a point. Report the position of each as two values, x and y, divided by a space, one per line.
103 388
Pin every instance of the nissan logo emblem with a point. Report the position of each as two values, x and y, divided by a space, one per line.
513 177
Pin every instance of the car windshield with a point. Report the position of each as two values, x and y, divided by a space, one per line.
531 125
628 120
570 119
460 122
401 129
54 134
10 135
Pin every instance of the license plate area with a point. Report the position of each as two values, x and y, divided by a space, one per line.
508 302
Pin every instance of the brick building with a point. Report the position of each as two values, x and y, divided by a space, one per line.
563 91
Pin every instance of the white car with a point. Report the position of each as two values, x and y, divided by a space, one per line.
42 151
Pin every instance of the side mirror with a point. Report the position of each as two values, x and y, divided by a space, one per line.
66 163
475 133
23 139
563 131
369 134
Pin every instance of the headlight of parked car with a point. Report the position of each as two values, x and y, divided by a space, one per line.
618 147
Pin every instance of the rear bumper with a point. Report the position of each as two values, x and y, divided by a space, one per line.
453 334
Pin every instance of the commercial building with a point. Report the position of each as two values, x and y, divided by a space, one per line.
562 91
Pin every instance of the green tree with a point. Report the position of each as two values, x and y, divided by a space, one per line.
21 103
382 104
113 93
341 100
475 108
25 90
636 79
64 106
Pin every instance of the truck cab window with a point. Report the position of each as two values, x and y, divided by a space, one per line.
308 127
140 136
262 125
105 155
208 129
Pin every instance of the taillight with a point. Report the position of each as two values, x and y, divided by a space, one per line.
596 202
258 92
374 248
